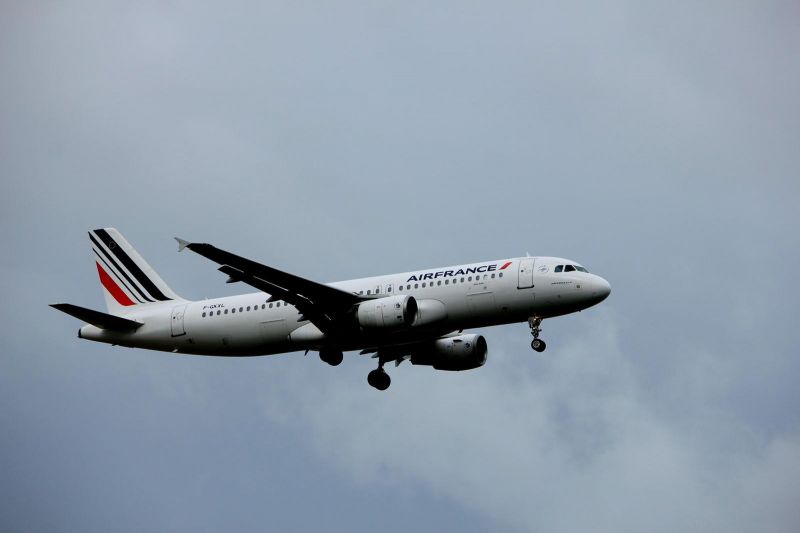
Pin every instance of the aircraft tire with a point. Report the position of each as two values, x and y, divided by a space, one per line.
379 379
332 357
538 344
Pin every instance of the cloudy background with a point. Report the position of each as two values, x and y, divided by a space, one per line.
657 144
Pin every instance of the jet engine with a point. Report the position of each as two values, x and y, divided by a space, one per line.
463 352
392 312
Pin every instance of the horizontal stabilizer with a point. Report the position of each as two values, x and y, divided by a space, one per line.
96 318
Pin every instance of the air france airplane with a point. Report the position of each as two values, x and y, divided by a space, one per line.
417 316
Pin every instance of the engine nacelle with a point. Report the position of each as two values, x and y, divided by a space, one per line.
463 352
392 312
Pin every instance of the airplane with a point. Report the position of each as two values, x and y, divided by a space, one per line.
418 316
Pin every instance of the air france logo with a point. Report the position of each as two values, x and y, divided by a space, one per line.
459 272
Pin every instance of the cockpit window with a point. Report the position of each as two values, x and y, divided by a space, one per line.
580 268
569 268
559 268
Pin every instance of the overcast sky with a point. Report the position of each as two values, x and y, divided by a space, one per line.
656 144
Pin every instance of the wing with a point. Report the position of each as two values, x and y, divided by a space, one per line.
322 304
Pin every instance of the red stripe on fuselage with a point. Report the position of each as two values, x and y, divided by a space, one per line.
505 266
112 287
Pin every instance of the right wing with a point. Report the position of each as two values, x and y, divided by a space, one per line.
321 304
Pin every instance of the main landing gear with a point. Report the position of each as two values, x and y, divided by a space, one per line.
332 356
378 378
537 344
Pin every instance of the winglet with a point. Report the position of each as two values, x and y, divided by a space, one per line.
182 243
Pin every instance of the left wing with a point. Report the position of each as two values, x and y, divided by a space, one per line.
322 304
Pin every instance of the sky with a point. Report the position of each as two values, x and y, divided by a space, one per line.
655 143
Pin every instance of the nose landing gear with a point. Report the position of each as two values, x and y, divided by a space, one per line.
537 344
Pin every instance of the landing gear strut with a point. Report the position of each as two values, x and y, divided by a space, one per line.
379 379
537 344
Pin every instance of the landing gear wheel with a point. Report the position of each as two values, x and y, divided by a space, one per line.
535 324
538 344
331 356
379 379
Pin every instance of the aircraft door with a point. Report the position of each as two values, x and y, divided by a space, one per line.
526 273
176 323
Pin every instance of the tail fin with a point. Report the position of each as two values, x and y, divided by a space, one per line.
127 279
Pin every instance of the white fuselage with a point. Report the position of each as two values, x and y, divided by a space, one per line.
450 299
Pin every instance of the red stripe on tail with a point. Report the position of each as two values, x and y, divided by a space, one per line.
112 287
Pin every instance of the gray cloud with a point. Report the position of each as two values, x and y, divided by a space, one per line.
568 445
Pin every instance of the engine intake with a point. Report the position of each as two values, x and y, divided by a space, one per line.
392 312
463 352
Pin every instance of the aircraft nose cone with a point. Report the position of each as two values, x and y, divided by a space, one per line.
602 289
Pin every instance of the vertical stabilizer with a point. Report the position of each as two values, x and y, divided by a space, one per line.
127 279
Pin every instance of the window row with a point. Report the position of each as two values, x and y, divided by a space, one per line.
243 309
436 283
406 287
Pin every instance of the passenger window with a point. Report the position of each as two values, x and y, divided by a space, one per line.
369 291
469 278
204 315
423 285
447 282
263 306
240 309
233 310
270 306
248 307
492 276
439 282
462 280
559 268
226 311
218 312
416 285
500 274
569 268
